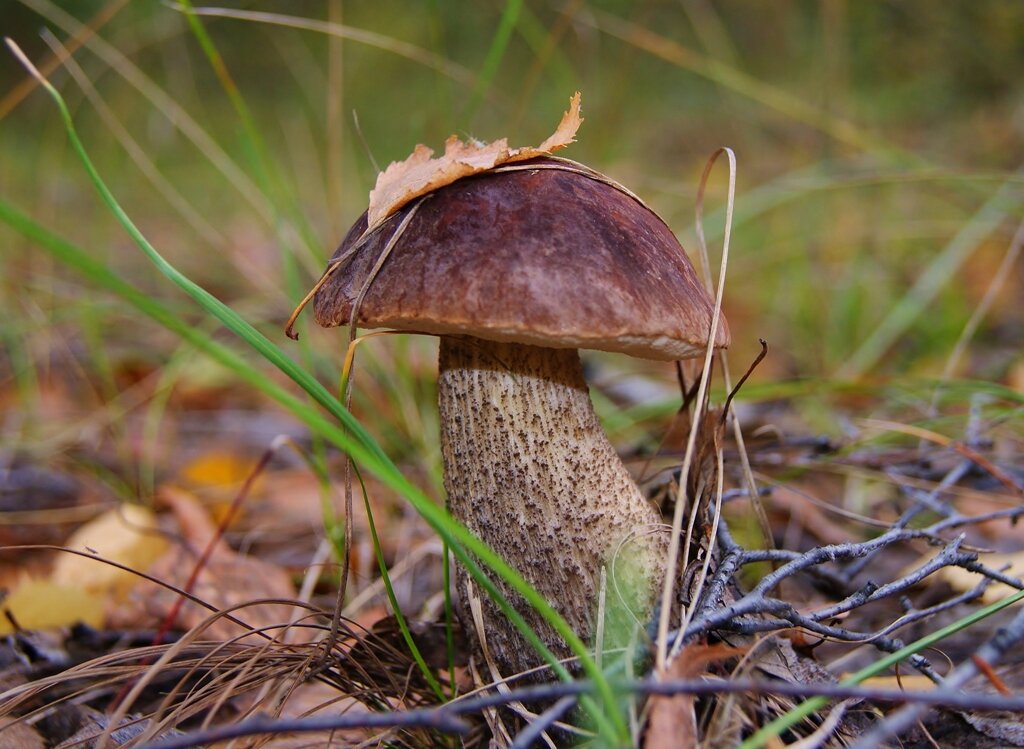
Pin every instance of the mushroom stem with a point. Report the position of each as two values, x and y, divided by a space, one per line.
529 470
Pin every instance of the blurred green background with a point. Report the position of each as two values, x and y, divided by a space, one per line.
879 145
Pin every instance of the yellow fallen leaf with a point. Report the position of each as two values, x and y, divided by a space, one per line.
217 469
962 580
907 682
126 535
420 174
218 476
44 604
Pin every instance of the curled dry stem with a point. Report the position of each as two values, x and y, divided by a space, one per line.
676 538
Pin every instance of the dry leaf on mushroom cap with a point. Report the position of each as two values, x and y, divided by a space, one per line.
420 174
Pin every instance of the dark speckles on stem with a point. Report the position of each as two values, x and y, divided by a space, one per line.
528 469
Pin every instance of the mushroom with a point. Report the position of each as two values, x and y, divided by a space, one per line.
515 269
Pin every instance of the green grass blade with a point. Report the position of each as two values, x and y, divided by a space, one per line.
941 271
746 85
443 65
163 102
435 686
269 177
356 442
499 44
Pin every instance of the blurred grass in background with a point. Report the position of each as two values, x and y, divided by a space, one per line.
879 146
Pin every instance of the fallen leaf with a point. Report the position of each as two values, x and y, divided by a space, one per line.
217 476
227 579
44 604
964 580
908 682
1015 376
312 698
420 174
672 722
218 468
80 588
17 734
127 535
92 724
564 134
801 510
1004 726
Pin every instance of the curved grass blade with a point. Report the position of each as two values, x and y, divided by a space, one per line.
357 443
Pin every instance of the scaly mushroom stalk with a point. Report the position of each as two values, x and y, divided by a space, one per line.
529 470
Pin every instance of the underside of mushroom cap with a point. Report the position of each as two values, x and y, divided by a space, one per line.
546 254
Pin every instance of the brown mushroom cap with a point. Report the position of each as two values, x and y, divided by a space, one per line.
545 257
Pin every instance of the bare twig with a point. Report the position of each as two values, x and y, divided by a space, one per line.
991 652
544 722
448 718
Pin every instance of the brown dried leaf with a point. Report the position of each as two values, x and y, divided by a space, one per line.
1003 726
227 579
14 734
672 723
564 134
420 174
